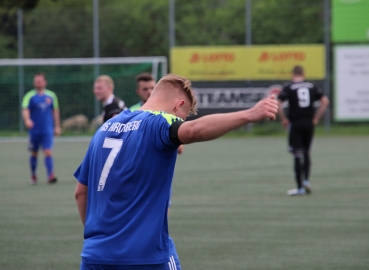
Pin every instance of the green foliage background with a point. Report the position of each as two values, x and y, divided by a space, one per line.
63 29
55 28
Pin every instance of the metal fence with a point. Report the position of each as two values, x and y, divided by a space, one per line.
150 28
140 29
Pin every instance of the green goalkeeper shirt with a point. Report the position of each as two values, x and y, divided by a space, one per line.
136 106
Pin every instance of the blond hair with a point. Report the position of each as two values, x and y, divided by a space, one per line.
185 86
107 79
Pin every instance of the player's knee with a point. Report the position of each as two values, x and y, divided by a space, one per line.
48 152
298 154
34 154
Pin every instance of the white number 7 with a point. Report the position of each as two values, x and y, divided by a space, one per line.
115 145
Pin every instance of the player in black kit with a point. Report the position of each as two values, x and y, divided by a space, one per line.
300 122
103 90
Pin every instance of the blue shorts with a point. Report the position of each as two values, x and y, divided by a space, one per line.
44 139
85 266
173 263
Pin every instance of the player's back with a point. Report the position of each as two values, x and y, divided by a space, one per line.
129 166
301 97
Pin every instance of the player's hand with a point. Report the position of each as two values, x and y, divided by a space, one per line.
180 149
29 124
57 131
265 108
285 123
315 121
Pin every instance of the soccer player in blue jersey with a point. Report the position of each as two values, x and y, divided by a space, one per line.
42 119
145 85
124 180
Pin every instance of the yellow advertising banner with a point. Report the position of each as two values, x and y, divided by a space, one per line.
209 63
247 63
276 62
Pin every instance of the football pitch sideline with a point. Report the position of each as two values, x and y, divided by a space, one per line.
229 207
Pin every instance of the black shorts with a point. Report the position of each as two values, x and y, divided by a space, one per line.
301 134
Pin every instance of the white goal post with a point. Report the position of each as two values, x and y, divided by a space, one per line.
155 60
17 68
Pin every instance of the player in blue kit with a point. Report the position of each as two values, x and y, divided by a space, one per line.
145 84
40 111
124 180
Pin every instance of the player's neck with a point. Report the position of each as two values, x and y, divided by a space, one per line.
155 106
107 99
298 79
40 91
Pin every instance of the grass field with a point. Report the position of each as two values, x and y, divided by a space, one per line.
229 207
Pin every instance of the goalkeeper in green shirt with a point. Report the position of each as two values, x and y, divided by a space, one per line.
145 85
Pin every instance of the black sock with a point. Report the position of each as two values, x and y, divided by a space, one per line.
298 171
306 165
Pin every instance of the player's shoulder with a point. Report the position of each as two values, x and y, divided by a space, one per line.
30 93
28 97
163 116
135 107
116 99
119 103
287 86
50 93
302 84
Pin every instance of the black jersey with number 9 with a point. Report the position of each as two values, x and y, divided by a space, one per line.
301 97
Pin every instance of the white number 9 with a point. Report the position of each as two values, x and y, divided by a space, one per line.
303 95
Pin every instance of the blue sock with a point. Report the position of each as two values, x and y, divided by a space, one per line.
49 166
33 164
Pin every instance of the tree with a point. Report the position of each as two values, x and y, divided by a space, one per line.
27 4
140 28
287 22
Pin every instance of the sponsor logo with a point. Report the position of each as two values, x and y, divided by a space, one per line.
233 98
213 57
42 106
282 56
48 100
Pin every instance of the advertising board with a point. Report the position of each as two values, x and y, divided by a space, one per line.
351 88
237 63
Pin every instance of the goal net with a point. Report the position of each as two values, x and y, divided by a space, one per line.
72 81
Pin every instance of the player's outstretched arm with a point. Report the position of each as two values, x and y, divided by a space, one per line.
213 126
80 195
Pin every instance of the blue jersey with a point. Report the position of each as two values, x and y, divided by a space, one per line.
41 110
128 169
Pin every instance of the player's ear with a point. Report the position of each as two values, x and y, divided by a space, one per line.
179 104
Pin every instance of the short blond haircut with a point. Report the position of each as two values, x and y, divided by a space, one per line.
107 79
185 85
